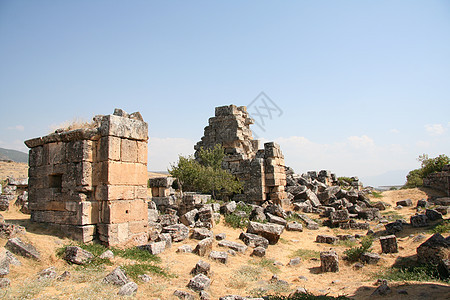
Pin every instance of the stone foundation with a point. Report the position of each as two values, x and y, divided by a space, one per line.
439 181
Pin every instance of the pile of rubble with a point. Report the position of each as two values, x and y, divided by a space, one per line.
319 192
15 192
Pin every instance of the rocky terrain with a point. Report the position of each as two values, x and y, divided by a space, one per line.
296 252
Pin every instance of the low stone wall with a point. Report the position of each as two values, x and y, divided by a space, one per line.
439 181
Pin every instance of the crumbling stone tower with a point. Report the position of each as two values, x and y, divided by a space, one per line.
92 182
261 171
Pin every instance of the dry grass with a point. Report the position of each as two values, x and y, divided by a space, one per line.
13 169
74 124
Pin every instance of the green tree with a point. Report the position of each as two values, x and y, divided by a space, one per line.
205 174
428 166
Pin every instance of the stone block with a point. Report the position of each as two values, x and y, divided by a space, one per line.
204 247
120 211
126 173
253 240
238 247
124 128
56 153
419 220
77 255
109 149
434 250
128 151
201 267
36 156
329 261
154 248
389 244
219 256
327 239
142 152
199 283
271 232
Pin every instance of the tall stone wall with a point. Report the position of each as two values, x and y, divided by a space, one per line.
92 182
261 171
439 181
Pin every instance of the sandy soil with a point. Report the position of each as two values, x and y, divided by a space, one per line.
243 275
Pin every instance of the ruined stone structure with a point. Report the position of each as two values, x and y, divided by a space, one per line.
439 180
92 182
262 171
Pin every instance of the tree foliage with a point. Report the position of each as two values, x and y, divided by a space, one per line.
205 174
428 166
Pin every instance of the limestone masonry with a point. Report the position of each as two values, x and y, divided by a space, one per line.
92 182
262 171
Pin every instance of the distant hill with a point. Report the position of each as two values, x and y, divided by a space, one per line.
14 155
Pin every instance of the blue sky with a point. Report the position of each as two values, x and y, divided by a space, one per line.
364 86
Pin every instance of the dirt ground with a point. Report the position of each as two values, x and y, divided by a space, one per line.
242 275
13 169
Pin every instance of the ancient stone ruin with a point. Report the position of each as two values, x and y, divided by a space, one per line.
92 182
262 171
439 180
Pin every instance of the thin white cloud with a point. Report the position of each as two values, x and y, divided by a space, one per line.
394 130
17 127
423 144
435 129
361 141
164 151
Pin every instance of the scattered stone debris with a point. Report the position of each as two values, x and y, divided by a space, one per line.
128 289
201 267
17 246
204 247
383 289
77 255
434 250
199 283
183 295
116 277
219 256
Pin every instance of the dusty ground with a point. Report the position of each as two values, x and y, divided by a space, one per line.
243 275
13 169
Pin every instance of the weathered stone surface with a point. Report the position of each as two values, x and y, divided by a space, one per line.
370 214
204 247
383 289
183 295
201 233
228 208
116 277
444 268
394 227
204 295
199 283
4 202
8 231
329 261
327 239
355 225
294 261
276 220
167 238
4 283
219 256
185 249
389 244
189 218
434 250
423 203
64 276
370 258
294 226
108 254
253 240
128 289
238 247
77 255
48 273
15 245
221 236
154 248
269 231
4 263
419 221
433 215
339 216
201 267
259 252
179 232
310 224
404 203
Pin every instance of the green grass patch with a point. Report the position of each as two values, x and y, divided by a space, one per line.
276 288
409 270
266 263
136 254
376 194
135 270
442 227
305 254
307 296
347 243
354 253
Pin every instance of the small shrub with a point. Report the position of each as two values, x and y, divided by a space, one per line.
236 221
409 270
347 243
344 181
392 215
376 194
305 254
354 253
